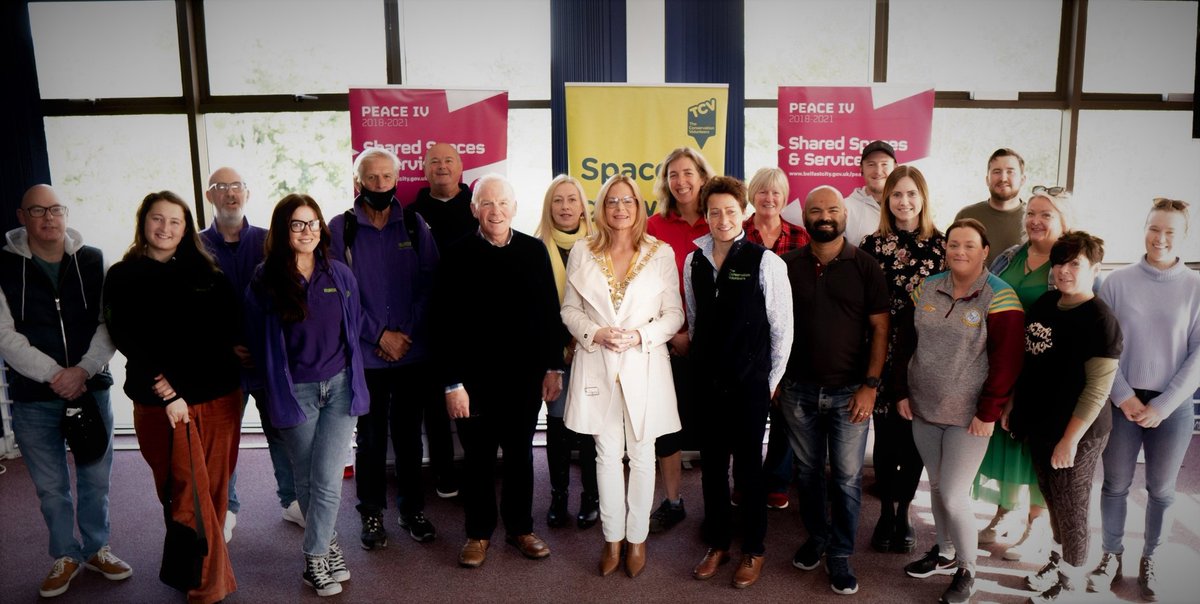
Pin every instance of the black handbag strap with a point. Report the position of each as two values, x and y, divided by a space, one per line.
197 514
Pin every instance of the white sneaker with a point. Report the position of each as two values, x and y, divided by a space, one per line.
292 514
1003 524
1034 543
230 522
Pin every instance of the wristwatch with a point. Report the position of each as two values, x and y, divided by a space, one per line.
872 382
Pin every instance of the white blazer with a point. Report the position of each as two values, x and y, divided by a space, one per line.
653 307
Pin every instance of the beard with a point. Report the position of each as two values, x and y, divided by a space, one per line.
823 236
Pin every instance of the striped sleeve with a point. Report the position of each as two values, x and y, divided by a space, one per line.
1005 349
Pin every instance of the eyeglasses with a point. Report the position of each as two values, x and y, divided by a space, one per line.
1051 191
233 187
613 202
39 211
298 226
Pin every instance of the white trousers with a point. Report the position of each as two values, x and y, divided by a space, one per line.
621 516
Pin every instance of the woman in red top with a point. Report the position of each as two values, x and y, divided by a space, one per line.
679 223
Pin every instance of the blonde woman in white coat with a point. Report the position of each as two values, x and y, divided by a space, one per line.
622 305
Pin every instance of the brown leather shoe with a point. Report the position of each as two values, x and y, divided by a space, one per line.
635 559
610 557
473 553
748 571
713 558
530 545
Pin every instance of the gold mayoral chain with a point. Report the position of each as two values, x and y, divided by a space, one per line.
616 290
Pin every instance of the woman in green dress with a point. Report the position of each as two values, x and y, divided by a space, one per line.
1007 469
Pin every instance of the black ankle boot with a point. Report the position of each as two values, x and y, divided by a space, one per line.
904 540
589 510
558 516
881 538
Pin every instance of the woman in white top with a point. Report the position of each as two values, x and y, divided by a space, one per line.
622 305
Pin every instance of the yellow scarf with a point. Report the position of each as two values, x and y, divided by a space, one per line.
559 239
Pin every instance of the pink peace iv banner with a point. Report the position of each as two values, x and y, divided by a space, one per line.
408 121
823 129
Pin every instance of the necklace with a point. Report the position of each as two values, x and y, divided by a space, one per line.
616 289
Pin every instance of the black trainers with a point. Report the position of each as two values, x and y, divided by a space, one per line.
932 564
1046 576
667 515
841 576
962 587
808 556
316 575
1106 574
1060 591
337 562
1147 582
373 533
418 527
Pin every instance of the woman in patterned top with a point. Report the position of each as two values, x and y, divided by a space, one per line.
909 249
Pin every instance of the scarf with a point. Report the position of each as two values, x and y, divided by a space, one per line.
563 240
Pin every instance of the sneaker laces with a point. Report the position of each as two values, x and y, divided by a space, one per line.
372 524
60 567
105 556
1148 570
1107 564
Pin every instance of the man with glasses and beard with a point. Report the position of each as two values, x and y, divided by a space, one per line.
841 303
237 246
1003 212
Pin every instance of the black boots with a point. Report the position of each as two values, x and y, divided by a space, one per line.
589 510
557 516
904 540
881 538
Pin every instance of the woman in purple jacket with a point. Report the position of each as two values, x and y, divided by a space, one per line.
304 316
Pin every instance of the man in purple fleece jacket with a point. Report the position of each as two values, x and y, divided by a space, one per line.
393 256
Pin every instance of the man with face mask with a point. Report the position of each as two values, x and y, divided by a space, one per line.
841 303
393 256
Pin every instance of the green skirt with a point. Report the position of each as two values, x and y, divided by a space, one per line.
1006 470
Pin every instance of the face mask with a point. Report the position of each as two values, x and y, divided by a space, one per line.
378 201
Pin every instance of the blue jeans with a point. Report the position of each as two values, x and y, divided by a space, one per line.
36 426
818 420
1165 448
285 483
317 448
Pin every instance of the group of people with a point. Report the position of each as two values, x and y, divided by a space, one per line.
644 336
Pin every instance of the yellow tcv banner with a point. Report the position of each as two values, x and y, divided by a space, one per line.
629 129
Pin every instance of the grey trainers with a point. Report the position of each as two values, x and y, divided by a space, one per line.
962 587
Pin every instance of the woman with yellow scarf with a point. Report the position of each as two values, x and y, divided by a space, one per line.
565 220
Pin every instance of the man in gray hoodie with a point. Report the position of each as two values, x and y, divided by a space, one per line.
54 340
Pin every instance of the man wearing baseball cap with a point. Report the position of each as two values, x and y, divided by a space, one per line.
862 206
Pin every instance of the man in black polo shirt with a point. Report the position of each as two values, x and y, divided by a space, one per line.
828 392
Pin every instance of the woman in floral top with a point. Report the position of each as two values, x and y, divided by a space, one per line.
909 249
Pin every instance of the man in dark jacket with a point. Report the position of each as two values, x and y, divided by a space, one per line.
53 339
499 351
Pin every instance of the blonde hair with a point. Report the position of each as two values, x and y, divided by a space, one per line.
604 233
887 222
767 177
1061 202
546 226
662 185
1163 204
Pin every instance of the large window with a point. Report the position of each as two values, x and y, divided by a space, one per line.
974 45
93 50
299 46
1127 158
803 43
1141 47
